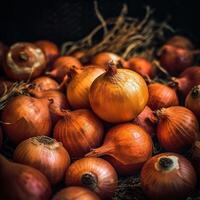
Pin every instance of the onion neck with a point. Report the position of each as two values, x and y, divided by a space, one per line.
112 69
23 56
89 180
195 93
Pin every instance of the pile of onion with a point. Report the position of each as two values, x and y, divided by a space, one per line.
118 88
79 131
127 147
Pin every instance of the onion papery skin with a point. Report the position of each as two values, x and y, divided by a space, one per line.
161 96
176 182
192 101
24 117
177 128
147 120
5 85
21 182
24 61
102 176
129 147
104 58
79 131
45 154
78 88
75 193
175 60
118 88
50 50
188 79
62 66
141 66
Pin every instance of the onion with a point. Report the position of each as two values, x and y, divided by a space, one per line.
118 88
129 147
62 66
95 173
75 193
45 154
188 79
177 128
141 66
24 61
79 131
79 86
20 182
192 101
1 137
168 176
196 157
50 50
24 117
161 95
79 54
146 119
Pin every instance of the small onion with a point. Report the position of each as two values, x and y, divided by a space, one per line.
79 131
24 117
45 154
24 61
161 95
75 193
95 173
129 147
50 49
78 88
177 128
118 88
141 66
62 66
168 176
21 182
192 101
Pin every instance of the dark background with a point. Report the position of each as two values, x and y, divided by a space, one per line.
62 20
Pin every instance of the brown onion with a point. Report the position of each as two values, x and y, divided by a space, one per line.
161 95
168 176
24 117
104 58
45 154
50 49
177 128
24 61
21 182
141 66
78 88
62 66
1 137
192 101
75 193
129 147
118 88
188 79
79 131
95 173
146 119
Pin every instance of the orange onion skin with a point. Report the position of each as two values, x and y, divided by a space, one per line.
116 89
102 176
163 184
24 61
24 117
75 193
161 96
79 54
49 48
192 101
45 154
129 147
141 66
177 128
78 88
21 182
62 66
79 131
147 120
